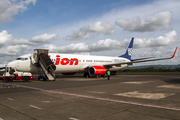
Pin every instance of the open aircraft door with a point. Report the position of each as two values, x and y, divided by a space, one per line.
34 58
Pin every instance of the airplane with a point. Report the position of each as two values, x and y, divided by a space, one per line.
71 63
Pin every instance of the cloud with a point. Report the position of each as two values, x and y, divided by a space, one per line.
82 34
8 8
91 31
153 23
5 37
159 52
43 38
72 48
160 46
101 27
21 41
8 39
107 44
168 39
13 50
10 46
101 45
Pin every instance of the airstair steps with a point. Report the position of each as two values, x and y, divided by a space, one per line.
49 74
47 66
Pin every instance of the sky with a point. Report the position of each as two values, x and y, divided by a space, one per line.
93 27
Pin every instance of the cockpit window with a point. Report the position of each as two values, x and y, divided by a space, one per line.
18 59
22 59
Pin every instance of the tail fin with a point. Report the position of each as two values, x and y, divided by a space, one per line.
128 51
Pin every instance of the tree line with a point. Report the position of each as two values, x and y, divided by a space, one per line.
151 69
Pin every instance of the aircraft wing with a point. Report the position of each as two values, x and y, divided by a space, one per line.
140 60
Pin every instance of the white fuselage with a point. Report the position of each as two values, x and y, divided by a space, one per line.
68 63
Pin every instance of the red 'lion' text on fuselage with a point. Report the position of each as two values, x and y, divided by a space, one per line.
65 61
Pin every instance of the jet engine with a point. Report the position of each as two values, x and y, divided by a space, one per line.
97 70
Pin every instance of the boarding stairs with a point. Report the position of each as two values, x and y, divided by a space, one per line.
42 60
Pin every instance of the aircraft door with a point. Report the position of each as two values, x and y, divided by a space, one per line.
34 58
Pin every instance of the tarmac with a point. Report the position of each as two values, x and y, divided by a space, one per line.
123 97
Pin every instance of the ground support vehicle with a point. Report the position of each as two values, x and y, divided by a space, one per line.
11 74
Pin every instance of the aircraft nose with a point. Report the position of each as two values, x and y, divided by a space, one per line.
11 64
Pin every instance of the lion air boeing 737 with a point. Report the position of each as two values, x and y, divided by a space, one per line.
51 63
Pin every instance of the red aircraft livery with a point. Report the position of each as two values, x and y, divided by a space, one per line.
65 61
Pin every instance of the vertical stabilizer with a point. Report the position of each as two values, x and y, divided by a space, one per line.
128 51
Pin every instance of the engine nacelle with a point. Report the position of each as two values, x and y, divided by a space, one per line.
97 70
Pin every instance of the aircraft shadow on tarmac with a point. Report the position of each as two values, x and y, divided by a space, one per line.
177 81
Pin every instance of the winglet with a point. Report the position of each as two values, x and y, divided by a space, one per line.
174 52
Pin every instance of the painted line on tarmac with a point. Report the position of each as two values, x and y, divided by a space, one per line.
10 99
35 107
99 98
71 118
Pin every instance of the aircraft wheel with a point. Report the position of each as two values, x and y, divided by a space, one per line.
10 79
85 74
26 78
6 79
44 78
39 77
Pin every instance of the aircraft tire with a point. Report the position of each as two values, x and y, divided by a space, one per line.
44 78
10 79
39 77
26 78
6 79
86 73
